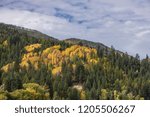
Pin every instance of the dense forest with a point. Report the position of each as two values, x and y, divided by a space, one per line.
34 66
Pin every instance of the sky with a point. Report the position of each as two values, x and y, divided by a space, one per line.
125 24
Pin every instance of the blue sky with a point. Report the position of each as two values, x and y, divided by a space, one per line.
125 24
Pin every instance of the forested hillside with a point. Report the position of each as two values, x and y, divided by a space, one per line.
36 66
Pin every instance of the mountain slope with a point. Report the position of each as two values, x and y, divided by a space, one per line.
36 66
85 43
23 31
91 44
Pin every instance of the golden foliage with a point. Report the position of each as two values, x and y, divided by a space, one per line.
56 71
50 50
27 56
81 52
5 43
33 58
104 94
24 64
30 91
82 95
3 95
32 47
74 67
93 61
8 67
54 56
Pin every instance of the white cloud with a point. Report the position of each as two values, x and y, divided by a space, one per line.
143 33
124 24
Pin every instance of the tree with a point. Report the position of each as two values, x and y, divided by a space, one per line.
30 91
0 78
67 72
12 82
93 94
50 85
104 94
79 72
73 94
100 51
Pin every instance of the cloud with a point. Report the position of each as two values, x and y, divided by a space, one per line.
143 33
125 24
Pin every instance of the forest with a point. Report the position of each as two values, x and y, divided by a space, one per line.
34 66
